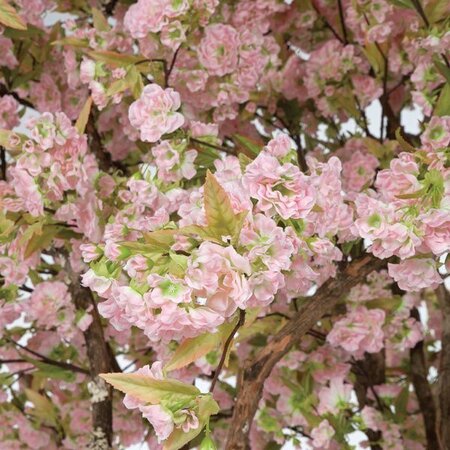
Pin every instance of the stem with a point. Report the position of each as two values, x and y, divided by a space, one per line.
226 347
215 147
47 360
172 64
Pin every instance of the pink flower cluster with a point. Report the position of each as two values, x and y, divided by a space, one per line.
359 331
154 113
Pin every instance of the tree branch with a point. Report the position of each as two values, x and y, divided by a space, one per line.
252 377
422 388
5 91
444 371
99 362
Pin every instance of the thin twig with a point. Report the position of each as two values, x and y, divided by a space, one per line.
3 163
226 347
342 19
172 64
215 147
47 360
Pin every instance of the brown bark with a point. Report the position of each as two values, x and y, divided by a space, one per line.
255 372
419 371
100 361
370 372
444 370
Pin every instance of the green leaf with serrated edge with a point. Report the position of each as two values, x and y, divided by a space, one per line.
191 350
442 107
207 407
405 145
83 118
222 220
150 390
10 18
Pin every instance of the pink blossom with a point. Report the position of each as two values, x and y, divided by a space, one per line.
147 16
437 133
166 289
280 189
359 171
161 420
322 435
279 146
437 231
415 274
334 397
219 274
218 50
9 117
359 331
154 113
97 283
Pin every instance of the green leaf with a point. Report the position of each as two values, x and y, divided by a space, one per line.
402 3
442 68
113 58
83 118
6 229
43 407
178 264
5 140
252 147
207 407
117 86
404 144
193 349
100 21
150 390
401 403
163 239
10 18
41 237
208 443
50 371
219 213
134 80
73 42
442 107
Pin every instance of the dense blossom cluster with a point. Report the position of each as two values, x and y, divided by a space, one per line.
186 186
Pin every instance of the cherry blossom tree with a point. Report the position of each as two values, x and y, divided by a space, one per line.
206 239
